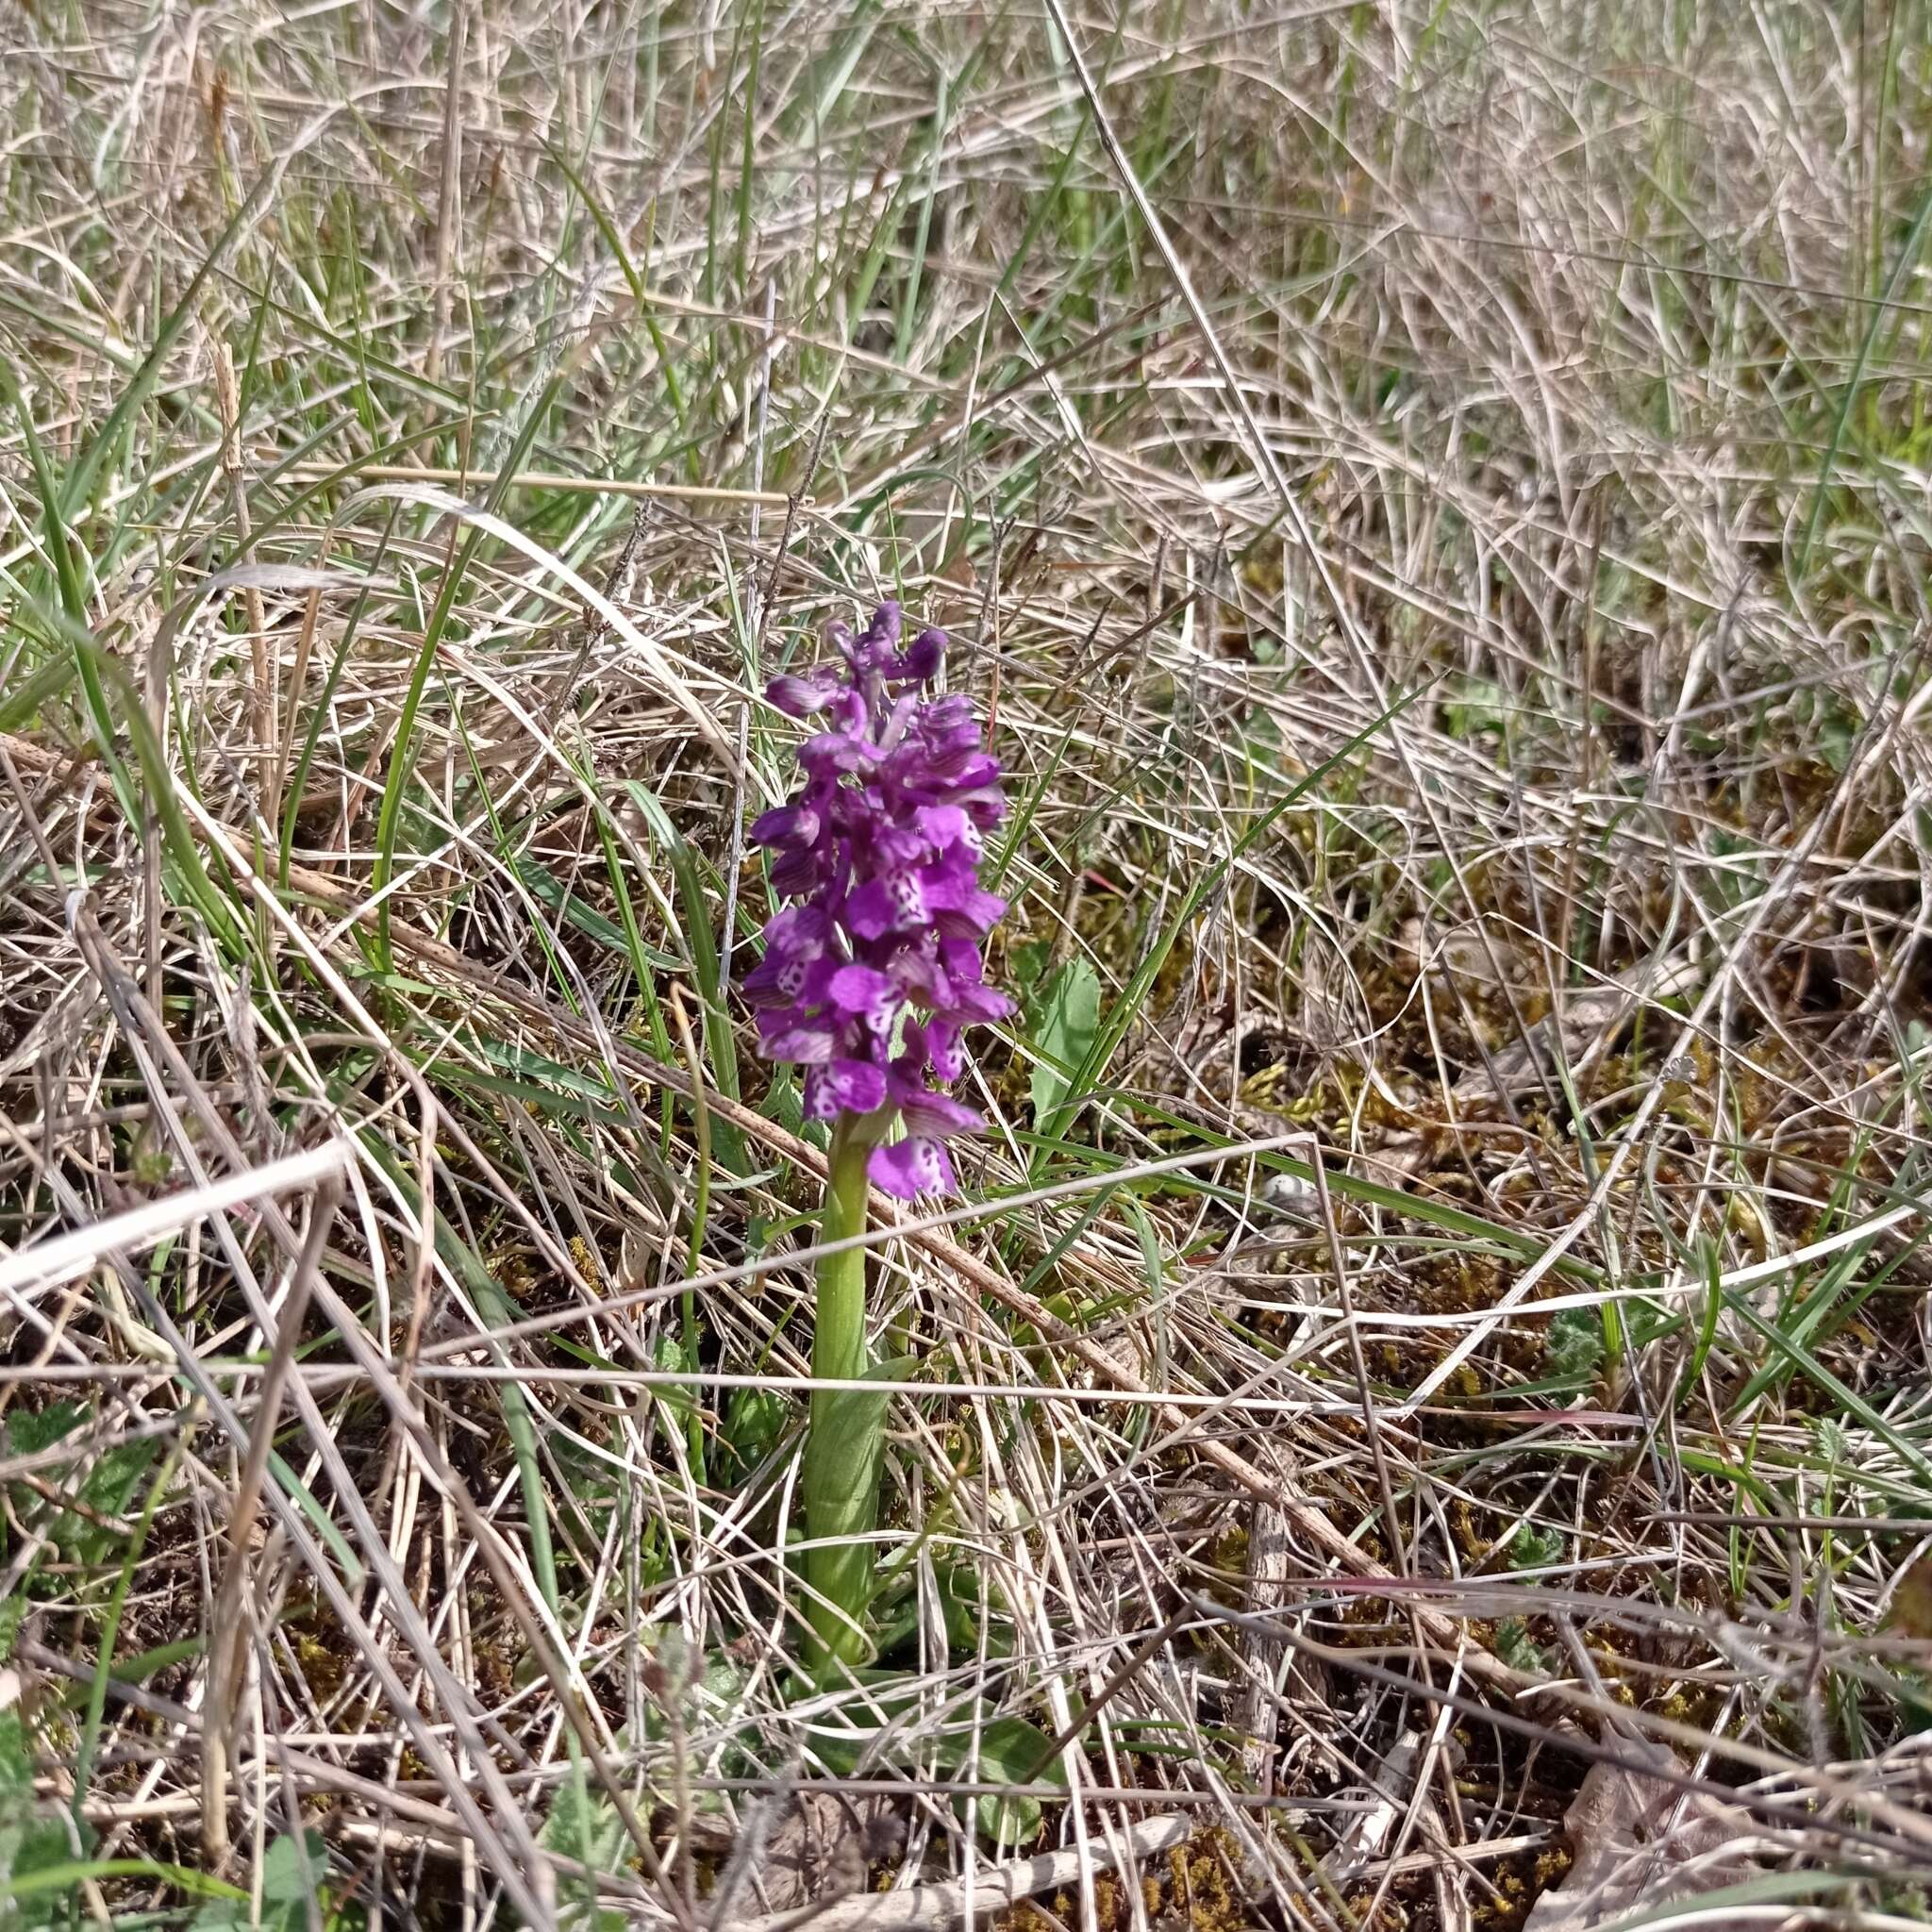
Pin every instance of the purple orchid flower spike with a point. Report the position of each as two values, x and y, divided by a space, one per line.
871 979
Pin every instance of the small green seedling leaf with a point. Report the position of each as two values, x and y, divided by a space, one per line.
1518 1649
754 1420
294 1871
1534 1549
585 1825
32 1845
1575 1345
1010 1751
1067 1025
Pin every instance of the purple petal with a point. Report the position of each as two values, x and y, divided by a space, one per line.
868 912
909 1168
967 993
944 826
832 752
797 933
965 772
844 1087
907 893
950 736
851 713
919 659
863 992
799 697
915 970
786 824
948 879
776 980
889 903
810 1045
882 633
793 940
797 870
904 754
896 847
949 889
798 929
942 1044
933 1116
985 805
976 915
977 1003
883 844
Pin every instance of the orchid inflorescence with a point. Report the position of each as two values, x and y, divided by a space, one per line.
871 979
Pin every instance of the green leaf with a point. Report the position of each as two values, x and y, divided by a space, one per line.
108 1490
673 1357
34 1849
973 1623
294 1870
1707 1328
57 1880
1010 1752
580 1816
978 1622
1069 1022
291 1868
992 1750
30 1430
1518 1649
23 701
1534 1549
754 1420
1026 964
584 1824
692 1689
841 1478
784 1103
1575 1344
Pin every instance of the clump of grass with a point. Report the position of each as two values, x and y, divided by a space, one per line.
1440 1302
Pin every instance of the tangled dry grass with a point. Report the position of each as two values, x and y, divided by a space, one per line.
1434 500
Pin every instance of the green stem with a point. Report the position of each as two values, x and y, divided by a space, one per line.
845 1436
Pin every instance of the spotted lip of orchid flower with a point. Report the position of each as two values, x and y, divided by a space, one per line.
871 979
